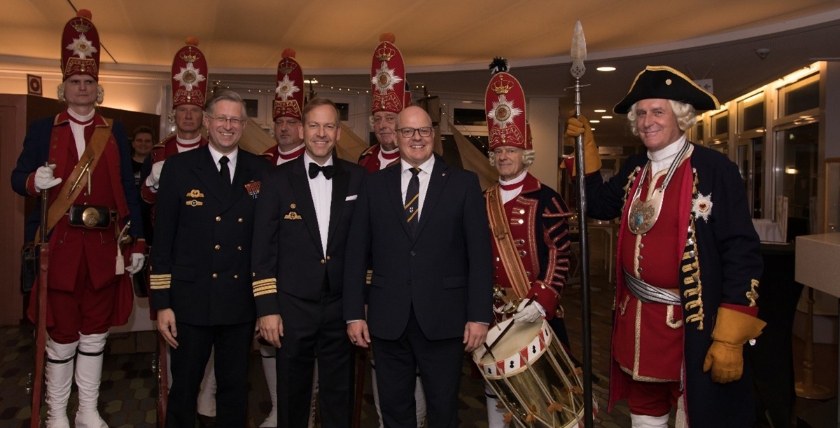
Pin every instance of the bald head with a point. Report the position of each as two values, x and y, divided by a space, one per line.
415 148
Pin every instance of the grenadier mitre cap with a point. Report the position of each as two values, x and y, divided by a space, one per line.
387 77
80 47
189 75
288 96
666 83
504 102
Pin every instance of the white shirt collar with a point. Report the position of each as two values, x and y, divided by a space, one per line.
425 166
80 118
307 160
190 141
231 156
518 179
668 151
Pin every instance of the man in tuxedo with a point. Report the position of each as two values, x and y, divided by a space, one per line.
303 218
423 227
201 264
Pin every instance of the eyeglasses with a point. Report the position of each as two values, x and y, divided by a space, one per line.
224 120
425 131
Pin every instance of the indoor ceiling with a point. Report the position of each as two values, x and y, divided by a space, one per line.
447 44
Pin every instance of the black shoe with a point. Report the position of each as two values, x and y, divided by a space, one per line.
206 421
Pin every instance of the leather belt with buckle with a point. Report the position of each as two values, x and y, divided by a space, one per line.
90 216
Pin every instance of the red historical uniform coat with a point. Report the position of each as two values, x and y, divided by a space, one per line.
370 159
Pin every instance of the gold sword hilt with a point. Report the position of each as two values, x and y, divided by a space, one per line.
75 184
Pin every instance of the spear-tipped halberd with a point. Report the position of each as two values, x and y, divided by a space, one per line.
578 55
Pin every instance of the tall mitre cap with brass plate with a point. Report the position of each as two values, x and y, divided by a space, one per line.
288 95
504 103
387 77
659 81
80 47
189 75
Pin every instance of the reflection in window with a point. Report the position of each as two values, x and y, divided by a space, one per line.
749 160
802 96
796 176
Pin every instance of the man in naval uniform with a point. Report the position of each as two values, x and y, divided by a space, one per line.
92 197
288 105
189 89
527 220
301 227
689 258
200 264
390 95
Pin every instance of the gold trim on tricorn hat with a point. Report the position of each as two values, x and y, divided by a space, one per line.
666 83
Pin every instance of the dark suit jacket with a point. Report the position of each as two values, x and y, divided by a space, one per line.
443 271
201 258
287 250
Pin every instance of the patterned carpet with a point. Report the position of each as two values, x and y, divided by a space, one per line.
128 386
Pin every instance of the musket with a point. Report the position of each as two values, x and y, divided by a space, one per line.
578 55
41 314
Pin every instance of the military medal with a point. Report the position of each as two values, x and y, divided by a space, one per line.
253 188
642 215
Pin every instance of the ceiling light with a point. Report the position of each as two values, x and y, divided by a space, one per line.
606 117
595 121
605 68
312 80
600 110
591 129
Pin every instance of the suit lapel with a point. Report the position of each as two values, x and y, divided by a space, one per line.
303 198
394 183
437 181
340 184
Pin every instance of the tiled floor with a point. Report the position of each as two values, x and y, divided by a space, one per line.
128 387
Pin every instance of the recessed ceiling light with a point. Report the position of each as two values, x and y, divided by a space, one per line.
600 110
605 68
595 121
606 117
591 129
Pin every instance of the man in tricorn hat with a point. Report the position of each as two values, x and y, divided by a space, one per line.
534 261
389 96
686 300
92 197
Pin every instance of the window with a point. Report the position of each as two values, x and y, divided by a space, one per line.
796 176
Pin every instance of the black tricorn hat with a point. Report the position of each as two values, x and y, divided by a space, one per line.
659 81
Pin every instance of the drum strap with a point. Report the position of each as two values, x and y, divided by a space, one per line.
507 249
79 177
648 293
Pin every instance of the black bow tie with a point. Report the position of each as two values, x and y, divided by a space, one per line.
327 170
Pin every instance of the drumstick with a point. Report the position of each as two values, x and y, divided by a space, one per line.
507 328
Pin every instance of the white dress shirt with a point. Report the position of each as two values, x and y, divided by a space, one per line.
321 190
231 160
424 176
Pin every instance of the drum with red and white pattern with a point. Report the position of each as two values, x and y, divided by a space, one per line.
532 375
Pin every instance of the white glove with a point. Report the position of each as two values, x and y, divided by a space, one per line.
154 177
137 260
530 313
44 178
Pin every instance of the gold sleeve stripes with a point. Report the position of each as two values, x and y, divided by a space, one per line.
160 281
265 286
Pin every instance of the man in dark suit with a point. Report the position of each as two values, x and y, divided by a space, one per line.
423 226
201 264
300 234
